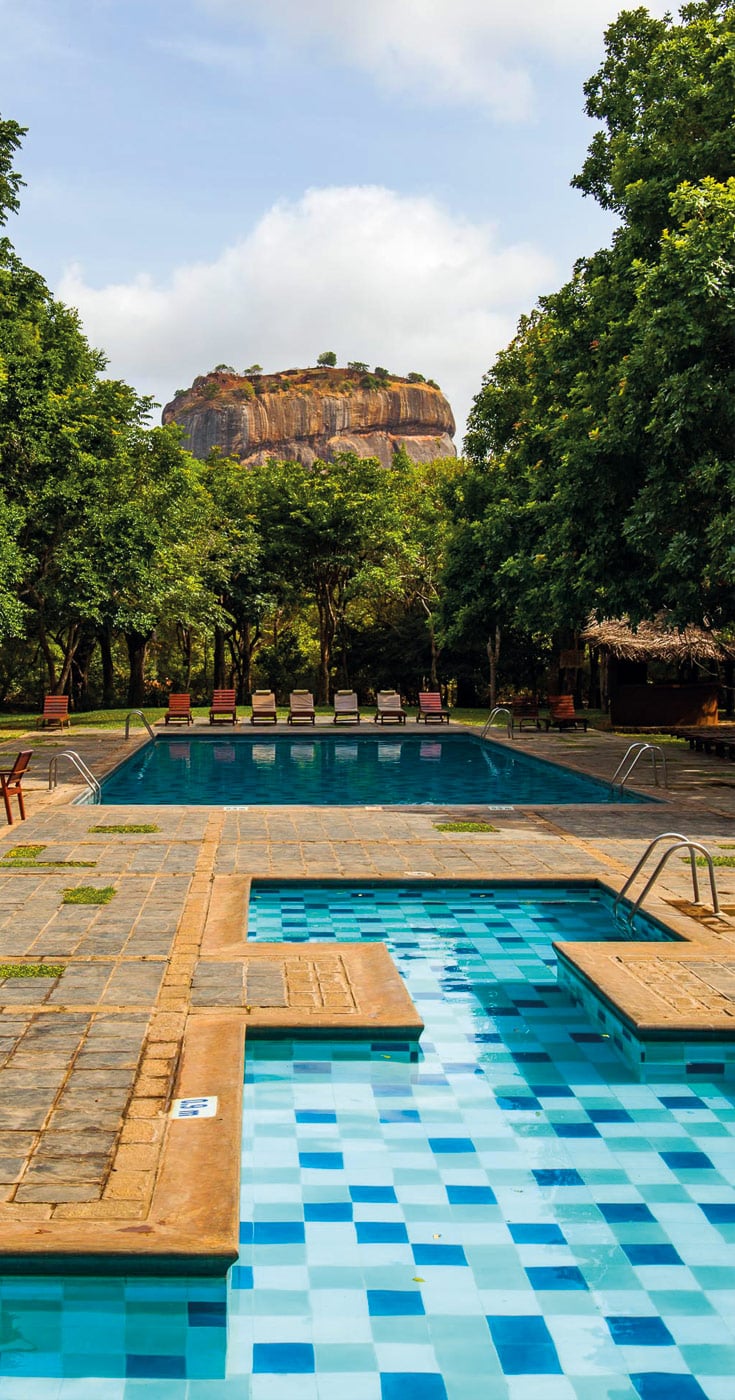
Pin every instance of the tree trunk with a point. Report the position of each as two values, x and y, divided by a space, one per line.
327 624
48 657
219 681
493 655
80 668
108 669
137 643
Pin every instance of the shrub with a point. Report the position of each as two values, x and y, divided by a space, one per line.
415 378
327 358
357 366
380 372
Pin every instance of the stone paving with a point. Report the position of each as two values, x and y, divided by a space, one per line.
90 1059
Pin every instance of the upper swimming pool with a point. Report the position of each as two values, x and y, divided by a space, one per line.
337 770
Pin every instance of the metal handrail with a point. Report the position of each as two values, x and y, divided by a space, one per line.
140 715
637 750
498 710
679 842
77 762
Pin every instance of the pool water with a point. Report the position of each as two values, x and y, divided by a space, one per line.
343 770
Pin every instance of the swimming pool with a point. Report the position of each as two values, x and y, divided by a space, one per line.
342 770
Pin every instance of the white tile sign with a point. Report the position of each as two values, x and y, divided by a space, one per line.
195 1108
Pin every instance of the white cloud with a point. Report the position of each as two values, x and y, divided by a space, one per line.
363 271
446 51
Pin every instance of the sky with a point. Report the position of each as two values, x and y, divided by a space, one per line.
241 181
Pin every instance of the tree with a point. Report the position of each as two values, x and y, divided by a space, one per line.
327 357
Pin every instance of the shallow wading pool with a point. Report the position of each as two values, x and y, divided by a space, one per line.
344 770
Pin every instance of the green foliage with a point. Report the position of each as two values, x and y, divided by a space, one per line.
246 390
253 369
464 826
11 135
31 970
327 358
224 369
415 378
380 372
432 384
89 894
126 828
357 366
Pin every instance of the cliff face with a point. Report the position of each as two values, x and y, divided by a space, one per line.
302 415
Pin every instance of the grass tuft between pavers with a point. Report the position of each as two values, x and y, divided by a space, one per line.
464 826
716 860
126 827
31 969
89 894
23 852
26 857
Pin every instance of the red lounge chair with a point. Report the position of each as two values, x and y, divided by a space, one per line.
11 784
431 708
223 707
563 715
179 710
55 710
346 707
264 707
389 707
301 707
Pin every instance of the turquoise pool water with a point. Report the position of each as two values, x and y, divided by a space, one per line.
342 770
503 1214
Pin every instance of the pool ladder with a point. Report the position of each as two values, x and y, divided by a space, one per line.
637 750
77 762
498 710
140 715
679 843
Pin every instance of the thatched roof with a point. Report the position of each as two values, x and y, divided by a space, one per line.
654 641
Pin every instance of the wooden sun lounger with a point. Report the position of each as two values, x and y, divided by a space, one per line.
11 784
179 710
431 708
301 707
55 710
264 707
389 707
223 708
525 711
563 714
346 707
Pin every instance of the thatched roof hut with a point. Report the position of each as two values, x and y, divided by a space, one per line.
655 641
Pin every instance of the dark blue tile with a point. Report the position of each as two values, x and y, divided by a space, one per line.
327 1210
667 1385
587 1037
557 1176
551 1091
246 1232
139 1366
640 1331
373 1194
686 1161
411 1385
426 1254
651 1254
575 1130
451 1144
559 1277
395 1302
524 1233
531 1057
470 1196
283 1358
314 1115
609 1115
241 1276
207 1314
681 1101
322 1161
278 1232
381 1232
511 1103
719 1212
524 1346
707 1069
625 1212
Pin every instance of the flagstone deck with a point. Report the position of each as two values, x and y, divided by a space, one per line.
159 987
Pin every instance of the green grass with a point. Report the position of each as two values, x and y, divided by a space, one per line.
126 827
23 852
25 856
31 969
716 860
464 826
89 894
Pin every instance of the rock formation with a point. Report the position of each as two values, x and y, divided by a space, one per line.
302 415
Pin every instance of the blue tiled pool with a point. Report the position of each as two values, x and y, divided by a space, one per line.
343 770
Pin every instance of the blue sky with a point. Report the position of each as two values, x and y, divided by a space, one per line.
261 180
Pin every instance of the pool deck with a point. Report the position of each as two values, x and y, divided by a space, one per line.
159 991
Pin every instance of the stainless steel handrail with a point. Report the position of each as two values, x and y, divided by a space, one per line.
638 749
77 762
140 715
679 843
498 710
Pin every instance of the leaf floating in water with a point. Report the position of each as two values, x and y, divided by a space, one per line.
436 1237
418 1280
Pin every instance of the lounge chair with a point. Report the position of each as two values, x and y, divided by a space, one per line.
301 707
563 714
55 710
264 707
346 707
179 710
389 707
223 707
431 708
525 711
11 784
